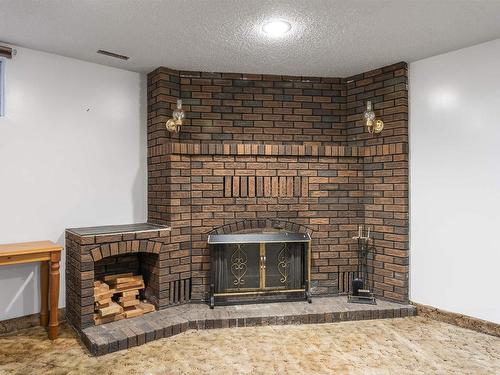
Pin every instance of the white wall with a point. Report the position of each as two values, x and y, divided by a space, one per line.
455 181
72 153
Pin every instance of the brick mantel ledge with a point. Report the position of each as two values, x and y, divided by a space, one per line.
275 150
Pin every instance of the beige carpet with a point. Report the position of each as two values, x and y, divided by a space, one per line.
396 346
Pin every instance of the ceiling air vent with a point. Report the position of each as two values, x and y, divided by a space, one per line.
111 54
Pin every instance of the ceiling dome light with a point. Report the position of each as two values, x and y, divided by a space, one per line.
276 28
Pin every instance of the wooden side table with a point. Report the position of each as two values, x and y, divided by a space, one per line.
49 254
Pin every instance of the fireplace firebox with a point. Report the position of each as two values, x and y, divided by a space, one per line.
259 265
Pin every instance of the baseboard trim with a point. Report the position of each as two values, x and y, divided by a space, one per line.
27 321
459 320
464 321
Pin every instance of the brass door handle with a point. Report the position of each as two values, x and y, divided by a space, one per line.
263 262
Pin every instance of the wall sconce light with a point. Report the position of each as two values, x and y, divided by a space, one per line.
174 124
373 125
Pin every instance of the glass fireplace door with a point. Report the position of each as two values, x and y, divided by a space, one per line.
283 265
243 264
276 265
259 267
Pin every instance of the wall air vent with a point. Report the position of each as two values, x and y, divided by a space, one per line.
111 54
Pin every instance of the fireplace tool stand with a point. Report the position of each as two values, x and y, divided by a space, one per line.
360 286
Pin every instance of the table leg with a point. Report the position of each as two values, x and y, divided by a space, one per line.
44 293
54 295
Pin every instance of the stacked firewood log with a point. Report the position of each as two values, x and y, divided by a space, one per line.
116 297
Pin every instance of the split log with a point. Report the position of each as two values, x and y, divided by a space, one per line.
108 319
126 287
112 309
100 285
146 307
110 278
125 279
130 303
103 296
127 298
103 303
131 312
130 293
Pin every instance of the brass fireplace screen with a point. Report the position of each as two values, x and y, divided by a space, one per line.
252 267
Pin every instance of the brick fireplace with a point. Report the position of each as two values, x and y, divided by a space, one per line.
257 148
291 148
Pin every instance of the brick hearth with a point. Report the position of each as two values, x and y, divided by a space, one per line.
128 333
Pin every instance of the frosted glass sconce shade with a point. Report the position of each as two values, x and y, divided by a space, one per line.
369 114
373 125
178 115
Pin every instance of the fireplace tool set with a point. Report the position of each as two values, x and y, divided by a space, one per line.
360 288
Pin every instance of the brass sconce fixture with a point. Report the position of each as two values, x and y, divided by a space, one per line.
373 125
174 124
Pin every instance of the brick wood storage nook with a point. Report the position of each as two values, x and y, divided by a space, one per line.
92 253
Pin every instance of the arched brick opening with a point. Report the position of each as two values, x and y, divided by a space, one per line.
249 224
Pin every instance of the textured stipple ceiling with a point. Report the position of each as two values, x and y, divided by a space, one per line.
328 37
